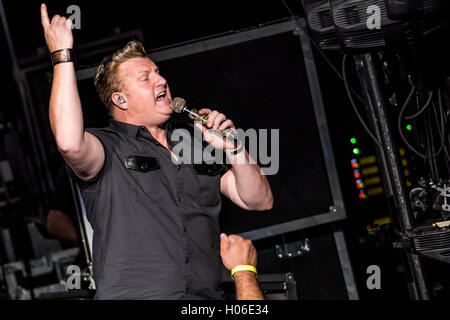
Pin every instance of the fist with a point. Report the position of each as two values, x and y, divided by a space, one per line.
58 32
235 250
216 121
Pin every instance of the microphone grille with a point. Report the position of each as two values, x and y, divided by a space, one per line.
178 104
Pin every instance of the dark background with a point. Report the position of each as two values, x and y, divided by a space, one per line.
272 66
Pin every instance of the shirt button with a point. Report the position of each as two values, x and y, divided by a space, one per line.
178 167
157 143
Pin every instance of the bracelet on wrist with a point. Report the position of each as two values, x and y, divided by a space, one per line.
62 55
243 267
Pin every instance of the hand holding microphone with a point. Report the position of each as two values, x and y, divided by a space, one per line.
221 127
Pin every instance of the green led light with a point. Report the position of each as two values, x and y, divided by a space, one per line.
353 140
408 127
356 151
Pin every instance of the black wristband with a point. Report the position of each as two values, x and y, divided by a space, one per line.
61 56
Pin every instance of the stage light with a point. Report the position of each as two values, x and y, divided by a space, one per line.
353 140
356 151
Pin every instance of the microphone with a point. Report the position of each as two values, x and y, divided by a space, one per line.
178 105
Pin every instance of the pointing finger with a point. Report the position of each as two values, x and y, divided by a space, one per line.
44 16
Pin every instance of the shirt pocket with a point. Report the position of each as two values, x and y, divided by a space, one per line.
141 163
146 173
209 183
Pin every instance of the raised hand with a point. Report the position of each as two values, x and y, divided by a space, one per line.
235 250
58 32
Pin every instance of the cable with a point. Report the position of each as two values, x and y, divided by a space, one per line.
344 74
406 141
430 96
430 144
439 128
321 53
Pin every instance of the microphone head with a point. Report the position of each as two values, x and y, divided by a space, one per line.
178 104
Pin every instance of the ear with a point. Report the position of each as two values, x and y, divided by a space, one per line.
115 97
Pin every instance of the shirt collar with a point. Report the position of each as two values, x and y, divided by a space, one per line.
135 131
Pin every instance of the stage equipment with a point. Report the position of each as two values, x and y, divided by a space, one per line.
361 25
85 227
364 25
370 78
47 276
276 286
320 22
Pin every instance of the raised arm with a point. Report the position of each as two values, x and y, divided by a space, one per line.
81 150
243 184
237 251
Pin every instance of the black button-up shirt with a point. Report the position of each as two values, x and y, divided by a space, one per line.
155 222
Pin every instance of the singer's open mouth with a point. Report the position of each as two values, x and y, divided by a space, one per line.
161 96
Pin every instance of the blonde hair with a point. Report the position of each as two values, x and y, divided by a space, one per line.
107 79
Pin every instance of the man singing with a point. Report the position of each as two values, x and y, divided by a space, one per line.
155 222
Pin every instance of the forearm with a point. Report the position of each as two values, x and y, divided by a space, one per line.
251 185
61 226
247 286
66 117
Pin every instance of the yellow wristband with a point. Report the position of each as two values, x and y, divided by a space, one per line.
243 267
